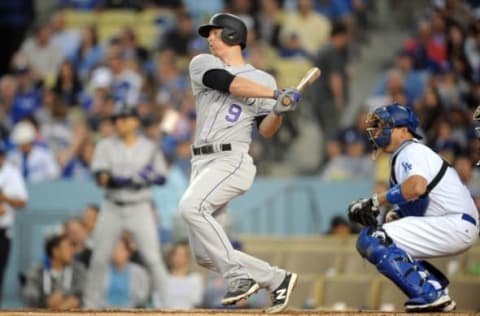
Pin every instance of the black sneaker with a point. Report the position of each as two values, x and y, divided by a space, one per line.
282 294
239 289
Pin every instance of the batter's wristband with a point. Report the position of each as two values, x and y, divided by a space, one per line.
395 196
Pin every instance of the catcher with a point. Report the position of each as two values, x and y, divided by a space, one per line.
435 215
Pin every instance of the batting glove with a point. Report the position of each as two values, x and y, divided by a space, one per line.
364 211
287 100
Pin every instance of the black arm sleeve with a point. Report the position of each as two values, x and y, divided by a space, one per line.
218 79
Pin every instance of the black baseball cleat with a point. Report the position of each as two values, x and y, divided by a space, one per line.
282 294
239 289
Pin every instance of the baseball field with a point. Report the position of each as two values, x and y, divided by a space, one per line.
213 312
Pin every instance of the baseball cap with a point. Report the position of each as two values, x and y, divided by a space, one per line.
352 136
124 110
23 133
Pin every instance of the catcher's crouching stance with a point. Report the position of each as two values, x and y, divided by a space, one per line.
435 215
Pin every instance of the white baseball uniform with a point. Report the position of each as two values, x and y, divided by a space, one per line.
450 224
224 127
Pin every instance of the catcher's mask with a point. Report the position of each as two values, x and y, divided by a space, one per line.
383 119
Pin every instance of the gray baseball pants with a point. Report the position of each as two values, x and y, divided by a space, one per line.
216 179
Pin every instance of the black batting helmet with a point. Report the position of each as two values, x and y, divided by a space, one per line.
234 29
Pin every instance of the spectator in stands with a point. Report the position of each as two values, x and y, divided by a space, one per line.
429 47
129 47
67 84
182 38
292 48
185 287
58 282
127 282
268 22
13 195
28 97
464 167
472 52
63 132
89 53
8 90
126 82
413 82
444 142
354 164
331 89
172 83
36 162
429 109
42 54
77 235
78 166
339 226
89 219
67 39
312 28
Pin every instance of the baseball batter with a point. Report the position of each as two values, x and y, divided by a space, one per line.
435 214
127 166
231 97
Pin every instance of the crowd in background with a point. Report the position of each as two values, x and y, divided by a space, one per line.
66 82
436 73
60 86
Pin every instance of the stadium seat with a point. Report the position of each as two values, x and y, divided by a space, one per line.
106 32
320 261
154 16
465 291
117 18
353 263
388 296
147 35
273 256
304 294
78 19
345 292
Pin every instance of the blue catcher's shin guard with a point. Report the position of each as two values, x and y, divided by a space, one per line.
413 278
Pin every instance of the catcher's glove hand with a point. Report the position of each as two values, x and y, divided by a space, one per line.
364 211
287 100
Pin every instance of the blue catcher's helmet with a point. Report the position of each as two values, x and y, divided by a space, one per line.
388 117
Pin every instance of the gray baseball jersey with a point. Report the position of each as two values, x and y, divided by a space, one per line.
222 117
219 177
126 209
127 162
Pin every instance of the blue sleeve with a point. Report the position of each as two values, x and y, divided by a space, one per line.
414 208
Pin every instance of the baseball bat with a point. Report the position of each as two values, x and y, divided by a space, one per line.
310 76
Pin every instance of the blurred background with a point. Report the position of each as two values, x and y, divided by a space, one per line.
65 65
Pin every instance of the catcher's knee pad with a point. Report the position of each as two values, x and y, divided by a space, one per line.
410 275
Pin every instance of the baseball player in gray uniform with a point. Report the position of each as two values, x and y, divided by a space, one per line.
230 97
127 166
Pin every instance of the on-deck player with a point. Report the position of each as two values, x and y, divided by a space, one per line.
435 214
230 97
126 166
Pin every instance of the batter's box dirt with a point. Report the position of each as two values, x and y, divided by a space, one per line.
211 312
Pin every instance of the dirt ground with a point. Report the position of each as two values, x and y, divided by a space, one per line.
208 312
